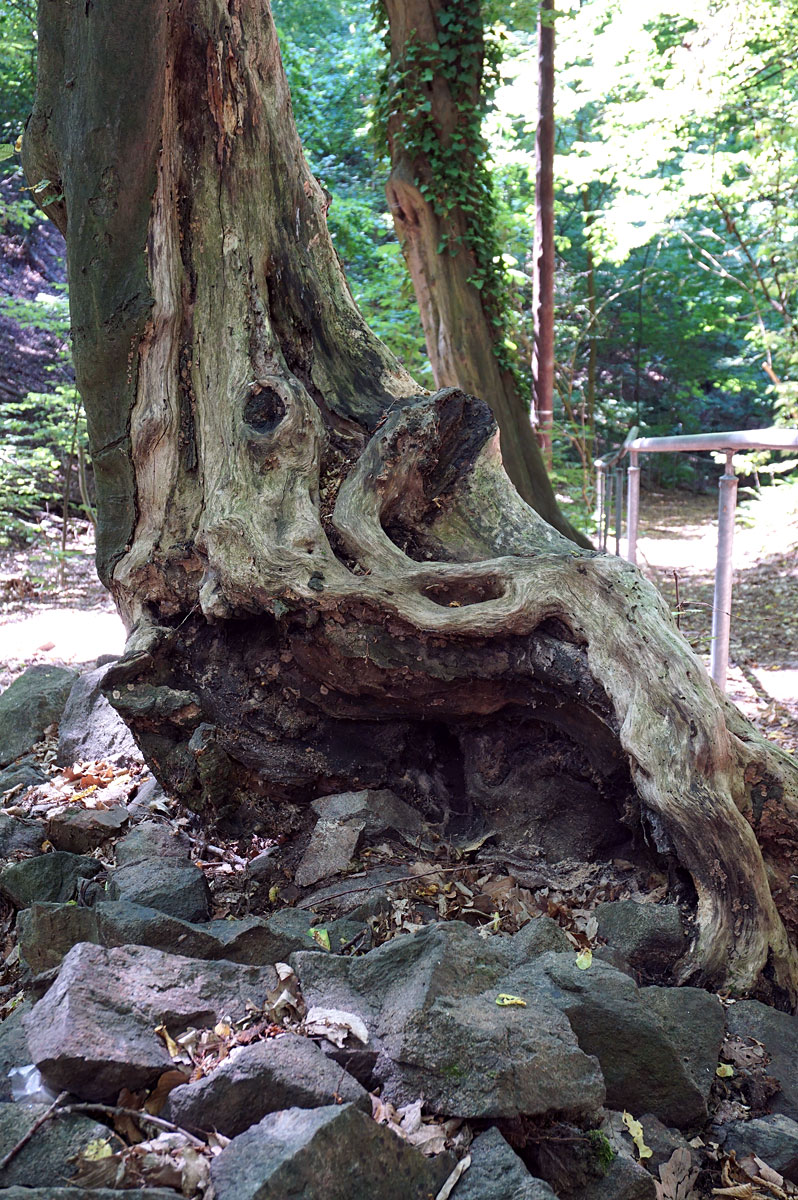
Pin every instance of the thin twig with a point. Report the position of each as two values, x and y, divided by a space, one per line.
56 1109
37 1124
368 887
678 600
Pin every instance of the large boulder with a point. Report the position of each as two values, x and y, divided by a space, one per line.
45 1160
53 877
778 1033
284 1072
90 728
334 1152
343 819
179 889
81 830
29 705
19 835
20 776
94 1031
428 1001
658 1047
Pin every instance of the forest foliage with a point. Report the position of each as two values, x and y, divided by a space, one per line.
677 213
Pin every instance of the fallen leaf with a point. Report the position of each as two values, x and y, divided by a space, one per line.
724 1071
335 1025
321 937
506 1001
584 959
636 1134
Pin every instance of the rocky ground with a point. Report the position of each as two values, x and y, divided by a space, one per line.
373 1012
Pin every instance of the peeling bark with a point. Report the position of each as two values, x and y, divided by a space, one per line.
328 579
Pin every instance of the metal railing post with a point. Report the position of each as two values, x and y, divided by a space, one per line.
633 507
721 605
600 502
618 507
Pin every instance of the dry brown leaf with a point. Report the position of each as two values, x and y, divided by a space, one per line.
677 1177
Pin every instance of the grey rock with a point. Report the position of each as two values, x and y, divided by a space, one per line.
380 812
46 932
472 1058
536 937
45 1159
20 836
357 900
284 1072
330 850
334 1152
149 796
343 819
264 869
90 728
181 890
773 1138
693 1021
93 1031
428 1001
778 1033
80 830
23 774
29 705
651 937
646 1044
660 1140
48 877
625 1180
151 839
497 1173
14 1051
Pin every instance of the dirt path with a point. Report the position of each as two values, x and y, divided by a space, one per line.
49 618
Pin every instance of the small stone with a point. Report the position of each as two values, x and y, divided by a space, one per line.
21 775
45 1159
497 1173
80 830
19 835
165 884
146 800
536 937
150 840
284 1072
625 1180
650 937
335 1152
29 705
48 877
773 1138
14 1051
332 844
380 811
778 1033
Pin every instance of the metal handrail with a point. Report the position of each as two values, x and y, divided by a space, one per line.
728 442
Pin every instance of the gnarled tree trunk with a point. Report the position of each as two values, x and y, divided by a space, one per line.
439 224
328 580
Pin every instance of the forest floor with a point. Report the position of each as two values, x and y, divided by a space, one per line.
54 610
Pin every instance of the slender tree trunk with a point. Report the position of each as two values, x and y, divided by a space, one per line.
462 331
328 580
592 342
543 268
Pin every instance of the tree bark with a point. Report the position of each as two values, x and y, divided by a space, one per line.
543 264
461 335
327 578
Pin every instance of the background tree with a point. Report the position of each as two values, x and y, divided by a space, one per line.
440 73
543 254
328 581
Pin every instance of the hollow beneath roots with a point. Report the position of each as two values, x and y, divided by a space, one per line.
234 721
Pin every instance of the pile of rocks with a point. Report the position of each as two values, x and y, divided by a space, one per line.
294 1058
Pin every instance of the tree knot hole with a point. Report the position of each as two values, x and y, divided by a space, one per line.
457 593
264 409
